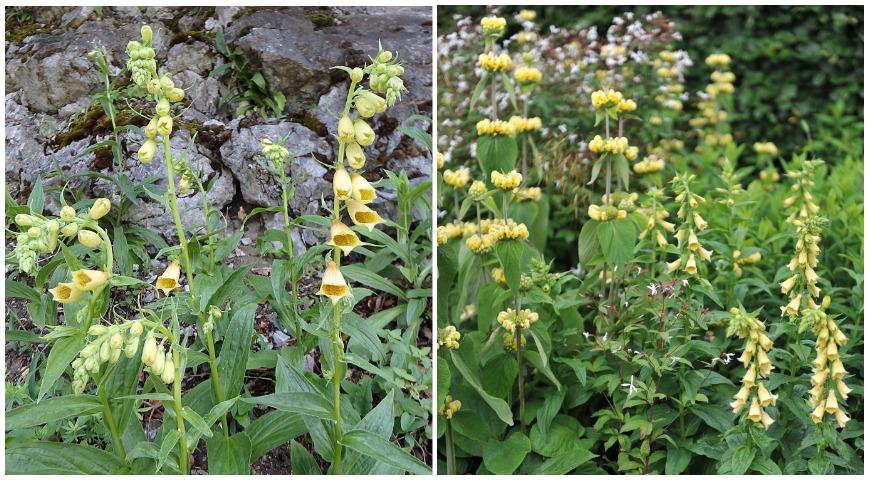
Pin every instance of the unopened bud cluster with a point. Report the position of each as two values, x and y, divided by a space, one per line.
105 345
523 124
385 76
158 360
828 370
495 127
457 178
449 408
506 181
801 285
801 203
692 223
449 338
511 319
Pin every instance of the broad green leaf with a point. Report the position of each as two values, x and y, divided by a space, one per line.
496 153
384 451
715 416
301 461
588 246
52 458
510 254
303 403
166 446
63 352
566 461
443 385
503 458
677 460
50 410
16 289
273 429
499 406
742 459
36 200
229 455
617 239
235 348
361 274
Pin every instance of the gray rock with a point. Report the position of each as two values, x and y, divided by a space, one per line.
257 184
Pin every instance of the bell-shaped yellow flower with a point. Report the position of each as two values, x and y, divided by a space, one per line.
88 280
837 370
345 129
343 237
361 214
675 265
819 377
764 365
89 239
818 413
693 241
362 190
831 405
148 149
843 390
168 281
356 158
100 208
766 419
832 352
691 267
368 104
793 306
342 186
765 397
168 374
363 133
788 284
164 125
841 417
821 360
746 358
333 285
754 411
749 376
764 341
65 293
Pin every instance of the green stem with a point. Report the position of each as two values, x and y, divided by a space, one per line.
113 426
183 456
188 272
521 389
451 453
337 374
294 292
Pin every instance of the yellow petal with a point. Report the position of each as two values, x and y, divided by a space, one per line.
65 293
333 284
343 237
88 280
168 281
361 214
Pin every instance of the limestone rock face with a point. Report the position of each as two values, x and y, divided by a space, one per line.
54 122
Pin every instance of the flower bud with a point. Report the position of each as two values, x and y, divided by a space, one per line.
150 130
115 355
342 186
97 330
69 230
100 208
89 239
356 75
166 83
148 149
116 341
136 328
87 352
159 362
153 86
162 107
164 125
168 375
149 351
131 348
345 129
175 95
363 133
355 156
146 34
368 104
385 56
67 213
23 220
105 351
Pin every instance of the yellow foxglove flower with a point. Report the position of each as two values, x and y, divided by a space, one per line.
363 133
766 419
837 370
754 411
356 158
149 351
764 396
345 129
693 241
819 377
746 357
788 284
343 237
175 95
150 130
89 239
65 293
691 267
818 413
168 281
793 306
831 405
749 376
342 186
168 374
361 214
832 352
765 342
146 151
842 418
674 266
362 190
333 285
843 390
88 280
100 208
159 362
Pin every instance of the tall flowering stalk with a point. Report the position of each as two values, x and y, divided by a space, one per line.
353 192
757 364
691 251
828 387
163 92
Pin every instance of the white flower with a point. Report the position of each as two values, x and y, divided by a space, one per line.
674 360
728 358
652 288
631 388
587 335
605 338
685 282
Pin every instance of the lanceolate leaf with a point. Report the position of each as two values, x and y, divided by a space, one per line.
52 409
235 348
63 352
310 404
52 458
499 406
229 455
384 451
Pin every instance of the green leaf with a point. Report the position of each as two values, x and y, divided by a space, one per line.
617 238
588 247
196 421
63 352
620 166
677 461
273 429
383 451
742 459
503 458
52 458
478 90
301 461
499 406
765 466
51 410
229 455
444 380
19 290
715 416
36 200
510 253
565 462
361 274
235 348
303 403
496 153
